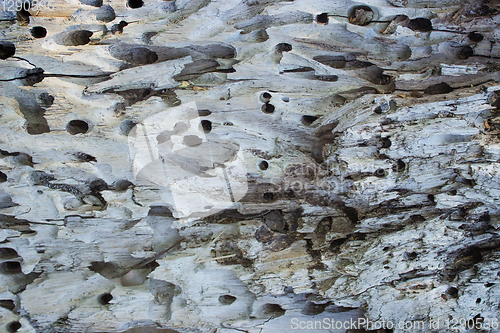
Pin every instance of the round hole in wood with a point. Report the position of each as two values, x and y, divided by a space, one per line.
265 97
105 298
227 299
38 32
360 15
267 108
10 267
379 173
135 3
308 120
263 165
8 253
322 18
13 326
77 127
206 125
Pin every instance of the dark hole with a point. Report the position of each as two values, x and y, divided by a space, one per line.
13 326
377 110
267 108
284 47
312 308
438 88
3 177
352 214
452 292
420 24
386 267
135 3
105 298
7 304
322 18
228 123
452 192
386 142
475 37
8 253
308 120
379 173
23 16
417 218
334 244
478 301
263 165
410 255
268 196
204 113
160 211
360 15
488 284
227 299
265 97
485 217
38 32
77 127
206 125
399 166
431 198
7 49
273 309
10 267
465 52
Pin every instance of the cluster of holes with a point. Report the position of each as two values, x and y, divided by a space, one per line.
77 127
266 107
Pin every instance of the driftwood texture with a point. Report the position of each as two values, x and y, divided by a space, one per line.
253 166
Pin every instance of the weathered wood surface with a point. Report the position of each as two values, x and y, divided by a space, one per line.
298 161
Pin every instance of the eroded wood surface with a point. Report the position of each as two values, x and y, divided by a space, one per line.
326 160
